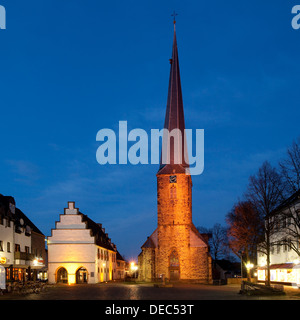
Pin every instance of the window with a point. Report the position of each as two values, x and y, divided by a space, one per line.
289 244
1 245
278 248
27 249
173 194
8 246
17 248
284 222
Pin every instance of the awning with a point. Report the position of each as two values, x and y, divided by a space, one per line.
280 266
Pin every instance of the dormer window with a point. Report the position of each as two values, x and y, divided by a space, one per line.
27 231
12 208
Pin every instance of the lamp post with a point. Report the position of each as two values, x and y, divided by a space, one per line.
241 253
249 266
134 268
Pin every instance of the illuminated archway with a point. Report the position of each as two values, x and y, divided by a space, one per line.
62 275
82 275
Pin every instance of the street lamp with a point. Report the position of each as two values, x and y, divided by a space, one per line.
249 266
133 268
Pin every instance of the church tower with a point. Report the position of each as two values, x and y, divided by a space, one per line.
175 249
174 186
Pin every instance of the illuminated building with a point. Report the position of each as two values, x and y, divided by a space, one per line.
120 267
79 250
175 250
22 244
284 244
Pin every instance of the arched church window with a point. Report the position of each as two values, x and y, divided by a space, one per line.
174 259
173 192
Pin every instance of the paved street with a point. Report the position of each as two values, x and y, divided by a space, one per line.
122 291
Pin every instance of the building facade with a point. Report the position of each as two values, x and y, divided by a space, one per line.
79 250
175 250
120 267
22 244
284 250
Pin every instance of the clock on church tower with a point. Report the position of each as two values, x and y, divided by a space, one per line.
173 179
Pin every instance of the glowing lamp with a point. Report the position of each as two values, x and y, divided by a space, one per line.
249 265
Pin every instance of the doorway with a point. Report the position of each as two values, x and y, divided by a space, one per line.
62 275
174 267
81 275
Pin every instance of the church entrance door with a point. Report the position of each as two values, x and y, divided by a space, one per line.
174 268
174 275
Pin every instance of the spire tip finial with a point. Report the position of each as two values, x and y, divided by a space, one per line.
174 15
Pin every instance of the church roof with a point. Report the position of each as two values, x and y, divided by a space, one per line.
174 120
151 241
148 243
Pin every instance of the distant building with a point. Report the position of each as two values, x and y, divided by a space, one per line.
224 269
176 249
22 244
284 244
79 250
120 267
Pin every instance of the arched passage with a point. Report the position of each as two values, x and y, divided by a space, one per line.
62 275
81 275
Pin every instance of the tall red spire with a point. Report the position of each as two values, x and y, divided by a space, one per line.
174 119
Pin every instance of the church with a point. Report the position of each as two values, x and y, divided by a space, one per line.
175 250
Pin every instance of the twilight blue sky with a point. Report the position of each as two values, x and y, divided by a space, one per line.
70 68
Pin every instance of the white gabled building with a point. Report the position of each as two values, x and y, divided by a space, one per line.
284 248
22 244
79 250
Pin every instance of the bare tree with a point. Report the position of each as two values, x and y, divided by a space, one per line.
287 215
265 191
218 240
244 231
290 168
